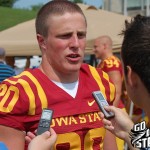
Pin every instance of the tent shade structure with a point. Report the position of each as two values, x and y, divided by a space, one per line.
20 40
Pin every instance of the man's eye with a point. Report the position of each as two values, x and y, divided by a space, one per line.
65 36
81 35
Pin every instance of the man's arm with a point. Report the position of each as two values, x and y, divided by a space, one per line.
110 141
120 125
14 139
115 77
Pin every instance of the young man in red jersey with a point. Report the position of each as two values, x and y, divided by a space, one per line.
109 63
61 83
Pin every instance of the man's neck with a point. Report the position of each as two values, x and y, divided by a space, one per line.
106 56
63 78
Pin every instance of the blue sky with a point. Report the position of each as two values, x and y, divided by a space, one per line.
29 3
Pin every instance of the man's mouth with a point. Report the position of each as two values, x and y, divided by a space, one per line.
73 55
74 58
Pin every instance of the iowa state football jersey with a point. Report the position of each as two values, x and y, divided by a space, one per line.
75 120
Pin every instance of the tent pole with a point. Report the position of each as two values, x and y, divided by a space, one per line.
147 8
142 5
103 4
125 8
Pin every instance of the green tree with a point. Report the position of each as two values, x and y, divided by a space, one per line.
77 1
36 7
7 3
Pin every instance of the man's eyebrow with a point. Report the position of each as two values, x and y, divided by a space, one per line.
64 34
70 32
82 31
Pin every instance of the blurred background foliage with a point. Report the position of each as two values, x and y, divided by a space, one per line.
10 16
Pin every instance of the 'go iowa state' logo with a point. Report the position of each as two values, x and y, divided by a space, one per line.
140 135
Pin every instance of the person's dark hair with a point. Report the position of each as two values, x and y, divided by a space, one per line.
135 51
55 7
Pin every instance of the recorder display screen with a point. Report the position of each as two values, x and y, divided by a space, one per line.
46 115
100 96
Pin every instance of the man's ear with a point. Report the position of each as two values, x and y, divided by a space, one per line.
41 41
131 77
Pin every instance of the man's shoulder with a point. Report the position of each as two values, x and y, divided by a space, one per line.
23 78
94 71
85 66
101 78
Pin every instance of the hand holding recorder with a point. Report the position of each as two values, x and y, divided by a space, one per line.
102 102
46 136
45 121
45 141
120 125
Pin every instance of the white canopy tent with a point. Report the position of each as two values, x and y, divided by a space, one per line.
20 40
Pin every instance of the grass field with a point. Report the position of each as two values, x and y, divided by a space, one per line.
10 17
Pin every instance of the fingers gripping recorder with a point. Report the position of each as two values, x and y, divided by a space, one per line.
101 101
45 121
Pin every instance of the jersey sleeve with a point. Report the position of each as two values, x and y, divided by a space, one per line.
13 104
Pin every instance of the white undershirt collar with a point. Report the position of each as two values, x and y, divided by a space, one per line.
70 88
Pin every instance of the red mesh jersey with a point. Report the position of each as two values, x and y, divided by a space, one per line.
75 120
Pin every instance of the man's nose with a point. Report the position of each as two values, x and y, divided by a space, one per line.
74 41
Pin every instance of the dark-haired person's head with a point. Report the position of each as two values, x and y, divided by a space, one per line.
135 49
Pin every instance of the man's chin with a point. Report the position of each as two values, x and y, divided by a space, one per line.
74 68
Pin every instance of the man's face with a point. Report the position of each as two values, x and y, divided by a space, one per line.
98 49
66 42
130 82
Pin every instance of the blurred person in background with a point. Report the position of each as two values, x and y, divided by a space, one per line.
6 71
110 64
